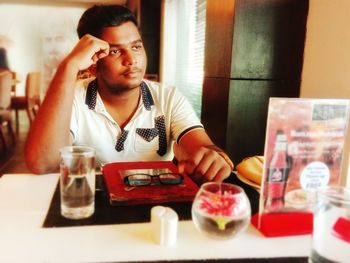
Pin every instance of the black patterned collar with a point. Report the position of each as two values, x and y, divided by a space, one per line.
91 95
146 96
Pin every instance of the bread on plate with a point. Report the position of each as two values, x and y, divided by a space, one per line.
251 168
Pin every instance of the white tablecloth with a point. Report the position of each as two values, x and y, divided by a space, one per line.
25 199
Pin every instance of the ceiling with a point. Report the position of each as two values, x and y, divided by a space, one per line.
63 2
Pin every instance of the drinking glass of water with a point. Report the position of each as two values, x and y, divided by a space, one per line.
331 228
221 210
77 181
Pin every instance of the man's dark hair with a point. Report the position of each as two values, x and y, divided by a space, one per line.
98 17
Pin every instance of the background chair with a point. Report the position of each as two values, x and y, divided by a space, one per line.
31 100
5 109
17 102
32 93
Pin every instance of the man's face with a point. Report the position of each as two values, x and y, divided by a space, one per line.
125 66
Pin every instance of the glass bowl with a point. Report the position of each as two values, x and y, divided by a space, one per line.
221 210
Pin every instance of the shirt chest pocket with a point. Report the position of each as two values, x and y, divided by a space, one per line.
147 139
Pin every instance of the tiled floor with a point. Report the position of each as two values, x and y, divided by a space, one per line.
12 160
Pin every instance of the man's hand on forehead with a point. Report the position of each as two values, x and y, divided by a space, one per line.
101 50
100 54
88 51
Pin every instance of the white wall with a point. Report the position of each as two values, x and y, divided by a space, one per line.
326 70
30 30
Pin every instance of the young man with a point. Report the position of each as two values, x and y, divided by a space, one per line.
121 115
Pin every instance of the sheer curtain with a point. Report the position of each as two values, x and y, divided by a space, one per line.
183 39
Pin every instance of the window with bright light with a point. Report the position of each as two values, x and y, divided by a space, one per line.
183 47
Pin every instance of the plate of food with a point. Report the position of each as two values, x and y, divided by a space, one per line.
299 199
247 181
250 171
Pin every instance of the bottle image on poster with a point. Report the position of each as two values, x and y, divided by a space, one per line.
277 175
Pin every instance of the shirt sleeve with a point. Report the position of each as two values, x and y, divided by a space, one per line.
74 120
184 118
78 101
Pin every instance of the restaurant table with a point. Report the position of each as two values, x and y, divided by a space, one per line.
25 204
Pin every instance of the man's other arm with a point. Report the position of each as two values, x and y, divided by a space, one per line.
199 157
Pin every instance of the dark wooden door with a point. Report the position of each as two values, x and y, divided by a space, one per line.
254 51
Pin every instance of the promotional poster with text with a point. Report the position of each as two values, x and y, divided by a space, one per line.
303 151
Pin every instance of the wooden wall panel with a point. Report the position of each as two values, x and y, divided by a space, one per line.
214 114
254 51
247 114
150 29
268 39
218 41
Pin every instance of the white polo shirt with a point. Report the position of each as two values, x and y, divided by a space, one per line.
162 117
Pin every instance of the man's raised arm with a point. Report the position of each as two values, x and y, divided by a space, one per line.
50 130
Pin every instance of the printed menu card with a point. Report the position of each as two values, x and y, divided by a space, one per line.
120 193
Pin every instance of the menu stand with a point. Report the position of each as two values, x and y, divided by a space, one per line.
283 224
